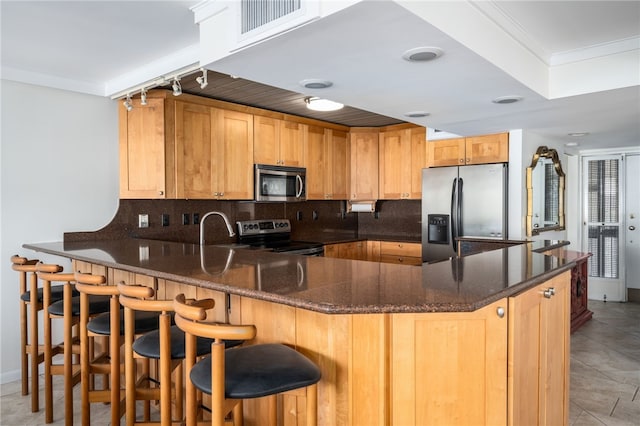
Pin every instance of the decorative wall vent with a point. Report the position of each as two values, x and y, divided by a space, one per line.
257 13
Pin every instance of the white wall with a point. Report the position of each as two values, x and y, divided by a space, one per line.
59 158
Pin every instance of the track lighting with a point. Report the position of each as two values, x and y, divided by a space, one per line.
127 102
143 97
177 88
202 80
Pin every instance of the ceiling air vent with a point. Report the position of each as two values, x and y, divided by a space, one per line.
257 13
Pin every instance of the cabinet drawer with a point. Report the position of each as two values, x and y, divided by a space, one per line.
401 260
400 249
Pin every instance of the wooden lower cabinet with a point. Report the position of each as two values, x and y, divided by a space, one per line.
539 354
504 364
449 368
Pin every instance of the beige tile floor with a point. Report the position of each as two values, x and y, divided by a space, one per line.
605 376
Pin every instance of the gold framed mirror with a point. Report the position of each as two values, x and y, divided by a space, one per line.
545 192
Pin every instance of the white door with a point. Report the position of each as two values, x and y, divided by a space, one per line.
603 183
632 224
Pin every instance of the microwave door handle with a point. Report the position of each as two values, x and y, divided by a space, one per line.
299 186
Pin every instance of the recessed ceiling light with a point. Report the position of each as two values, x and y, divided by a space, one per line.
571 144
416 114
577 134
507 99
422 54
318 104
315 83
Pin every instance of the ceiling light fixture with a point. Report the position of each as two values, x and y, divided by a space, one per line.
578 134
177 88
503 100
127 103
317 104
422 54
416 114
570 144
143 97
202 80
315 83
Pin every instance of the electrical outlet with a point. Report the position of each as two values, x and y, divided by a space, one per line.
196 218
165 219
143 221
186 218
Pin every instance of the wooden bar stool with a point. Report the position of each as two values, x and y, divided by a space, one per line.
31 302
67 309
232 375
167 344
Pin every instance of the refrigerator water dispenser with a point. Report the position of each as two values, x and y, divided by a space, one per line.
438 232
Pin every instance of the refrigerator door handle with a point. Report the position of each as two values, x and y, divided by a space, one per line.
453 219
460 207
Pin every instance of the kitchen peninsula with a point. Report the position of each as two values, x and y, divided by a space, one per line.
453 342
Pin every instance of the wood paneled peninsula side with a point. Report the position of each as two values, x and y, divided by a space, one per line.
454 342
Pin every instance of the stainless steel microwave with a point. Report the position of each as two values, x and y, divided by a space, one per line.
279 183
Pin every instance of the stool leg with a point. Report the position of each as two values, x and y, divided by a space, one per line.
48 360
312 405
238 415
84 360
35 391
23 342
114 350
165 369
68 357
272 412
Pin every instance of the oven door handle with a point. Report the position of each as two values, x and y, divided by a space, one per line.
299 186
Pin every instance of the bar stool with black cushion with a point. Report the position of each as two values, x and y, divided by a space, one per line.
67 309
231 375
167 344
31 302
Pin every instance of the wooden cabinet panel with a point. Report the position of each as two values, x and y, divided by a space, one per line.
233 140
461 380
449 152
196 175
538 374
146 150
326 155
278 142
401 249
363 169
403 155
487 149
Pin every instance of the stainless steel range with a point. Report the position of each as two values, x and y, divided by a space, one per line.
274 235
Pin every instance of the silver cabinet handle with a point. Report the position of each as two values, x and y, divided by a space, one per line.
500 312
549 292
632 228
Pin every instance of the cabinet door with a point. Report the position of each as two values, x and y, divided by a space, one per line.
487 149
196 175
233 139
267 140
419 160
448 152
395 155
315 153
449 368
364 166
538 373
144 172
336 179
291 144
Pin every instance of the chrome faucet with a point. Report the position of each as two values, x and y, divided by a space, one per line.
226 222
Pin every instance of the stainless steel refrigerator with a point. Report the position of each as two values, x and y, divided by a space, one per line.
465 201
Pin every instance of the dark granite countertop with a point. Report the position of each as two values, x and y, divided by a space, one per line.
332 286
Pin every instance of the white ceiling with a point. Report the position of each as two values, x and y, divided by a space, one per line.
535 49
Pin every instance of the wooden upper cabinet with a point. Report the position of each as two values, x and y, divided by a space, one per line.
472 150
214 153
403 155
326 153
278 142
147 150
363 170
